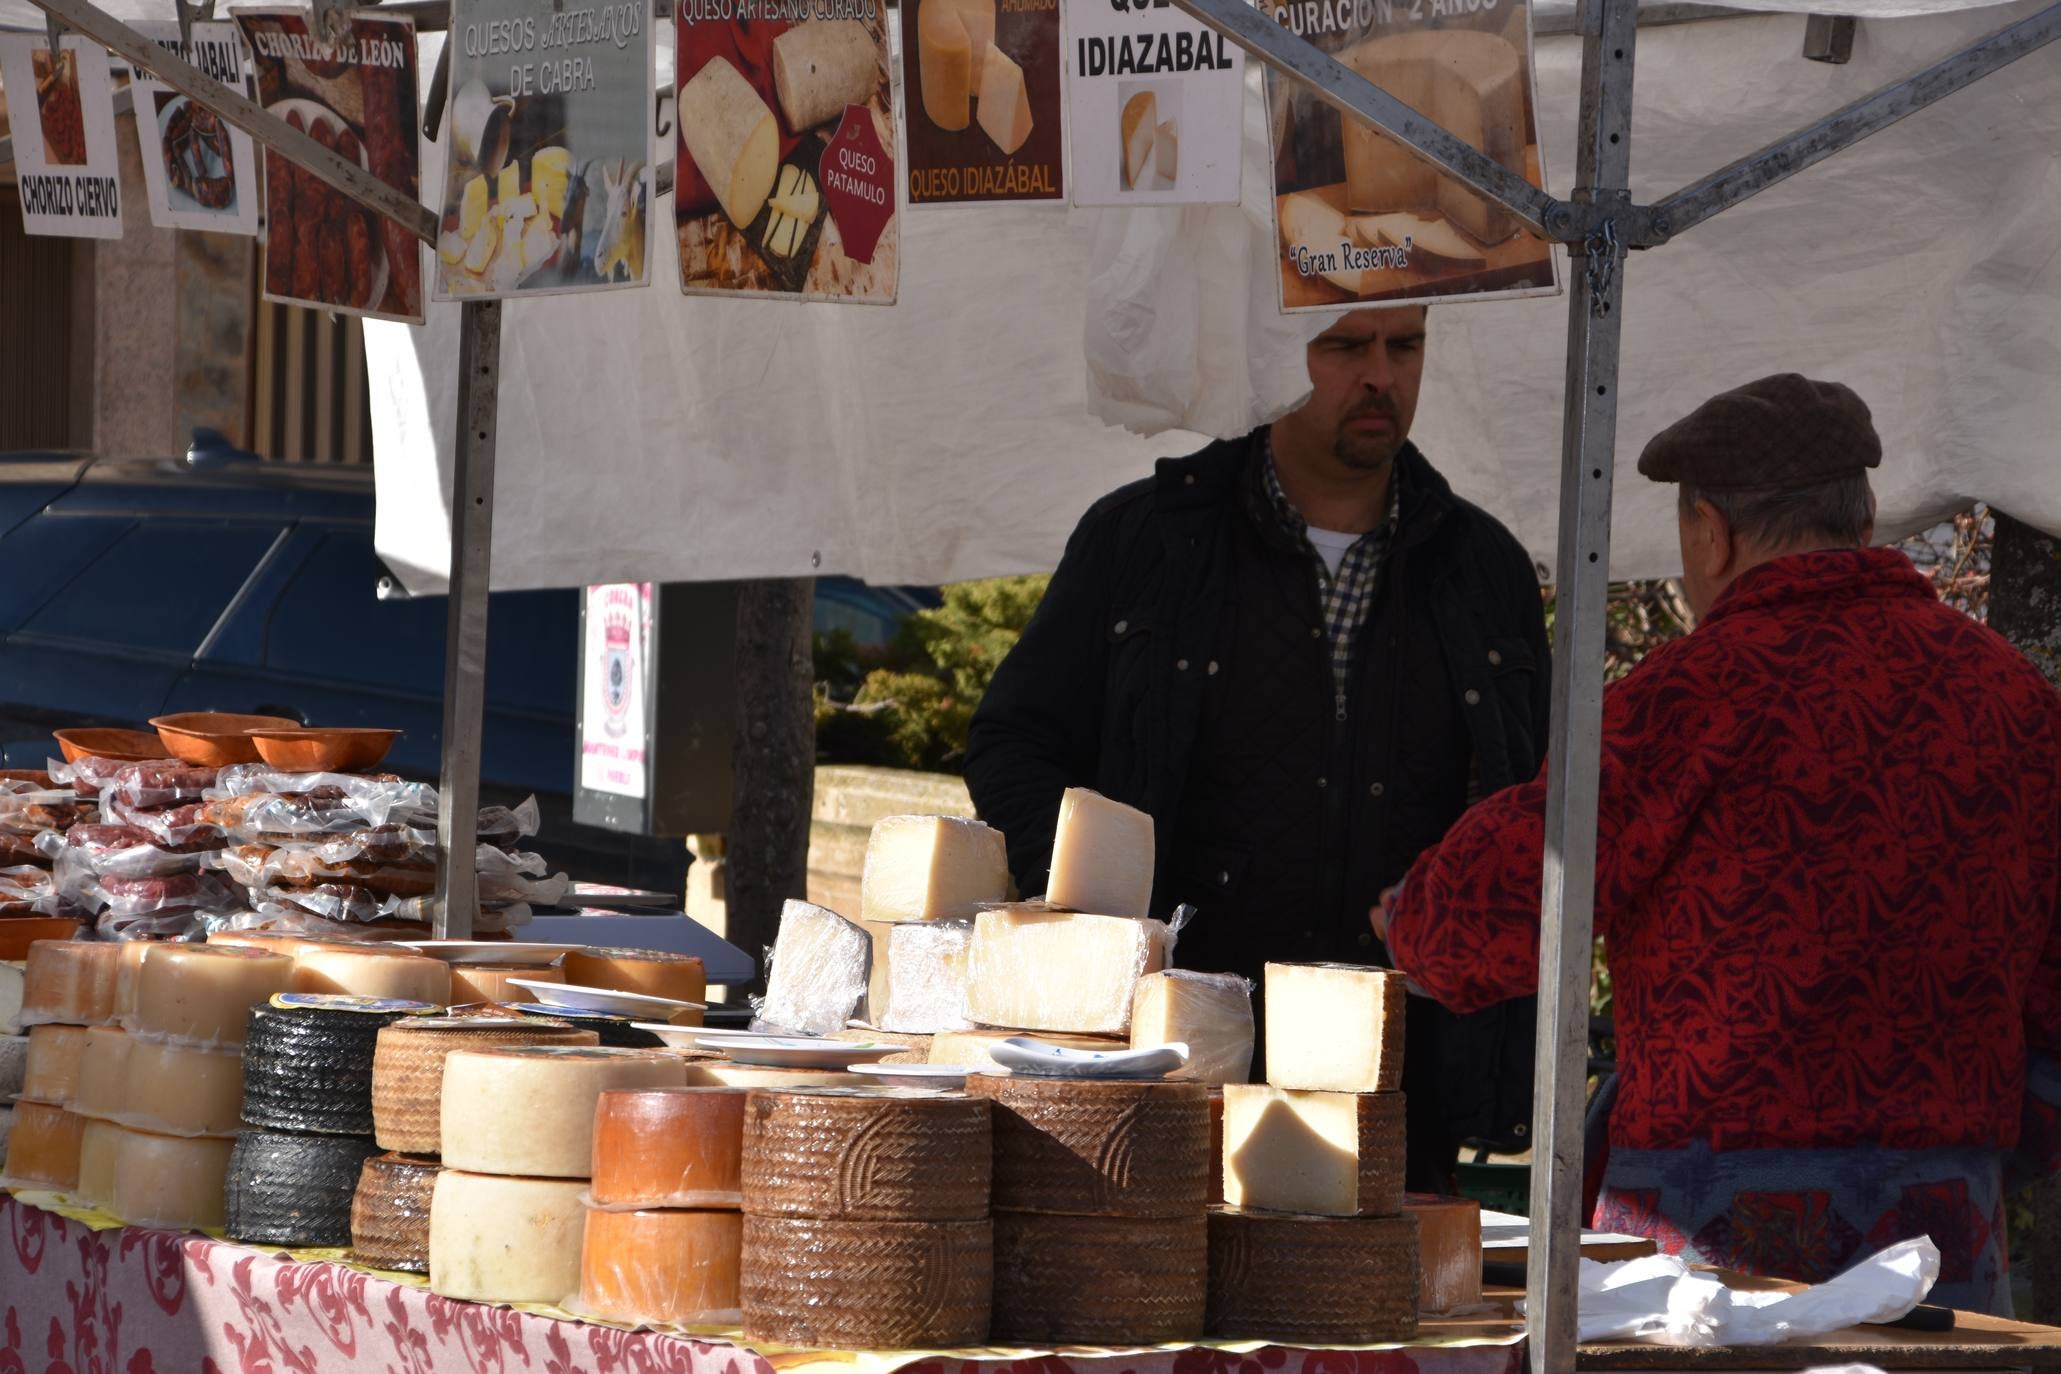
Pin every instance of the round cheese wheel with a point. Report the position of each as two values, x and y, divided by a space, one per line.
868 1285
97 1141
175 1182
202 994
653 972
307 1061
530 1109
1305 1280
1448 1251
390 1212
491 982
70 981
373 973
43 1146
668 1147
103 1073
867 1155
494 1239
1099 1148
52 1072
408 1070
1152 1290
721 1073
292 1189
670 1267
128 970
179 1090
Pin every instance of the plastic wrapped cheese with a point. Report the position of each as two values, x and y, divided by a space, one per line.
497 1239
52 1074
670 1266
201 995
818 977
1102 856
932 868
373 973
1056 971
668 1147
177 1182
11 977
43 1147
103 1074
1210 1013
530 1109
180 1090
128 973
69 981
97 1141
926 980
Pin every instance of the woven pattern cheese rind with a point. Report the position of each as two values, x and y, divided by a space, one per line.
1080 1147
294 1189
866 1285
866 1156
390 1212
408 1071
1099 1280
1312 1280
310 1069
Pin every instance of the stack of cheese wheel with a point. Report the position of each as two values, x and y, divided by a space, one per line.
1116 1169
646 972
186 1008
67 988
369 971
866 1220
307 1112
517 1132
1314 1246
663 1230
390 1210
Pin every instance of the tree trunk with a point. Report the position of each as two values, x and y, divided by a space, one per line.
774 758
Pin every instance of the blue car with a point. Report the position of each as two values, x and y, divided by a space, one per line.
136 588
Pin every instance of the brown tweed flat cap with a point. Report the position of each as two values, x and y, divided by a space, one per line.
1781 431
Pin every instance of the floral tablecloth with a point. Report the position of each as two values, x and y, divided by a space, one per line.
80 1299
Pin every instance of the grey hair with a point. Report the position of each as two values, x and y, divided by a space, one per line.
1839 513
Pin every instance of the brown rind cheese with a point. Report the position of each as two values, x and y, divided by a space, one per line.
1099 1280
866 1285
390 1212
1312 1280
1448 1251
408 1070
1080 1147
866 1156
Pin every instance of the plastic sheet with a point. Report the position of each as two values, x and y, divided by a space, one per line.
816 972
179 826
159 783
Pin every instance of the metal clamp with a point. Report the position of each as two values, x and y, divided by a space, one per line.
332 20
56 32
1601 248
189 15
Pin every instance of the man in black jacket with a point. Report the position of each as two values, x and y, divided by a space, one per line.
1304 656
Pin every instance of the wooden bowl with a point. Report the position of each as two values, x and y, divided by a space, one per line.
17 933
215 739
342 750
122 746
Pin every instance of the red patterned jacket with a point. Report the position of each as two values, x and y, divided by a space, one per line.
1829 855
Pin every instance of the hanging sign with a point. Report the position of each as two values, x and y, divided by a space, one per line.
982 88
1156 104
198 172
784 180
356 97
1362 220
64 137
548 182
615 719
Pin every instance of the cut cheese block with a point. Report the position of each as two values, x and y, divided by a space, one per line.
373 973
821 67
505 1239
175 1182
1335 1028
915 1048
179 1090
797 196
1471 83
1098 1147
867 1155
818 978
291 1189
491 982
1058 971
1448 1250
70 981
652 972
1005 112
97 1140
390 1212
530 1109
974 1049
1433 238
978 17
662 1266
1310 223
721 1073
43 1147
1166 153
932 868
1138 125
1328 1154
866 1285
1210 1013
307 1062
52 1074
1216 1146
732 137
103 1088
14 1064
668 1147
1102 854
1146 1283
11 977
926 979
954 39
1312 1280
202 994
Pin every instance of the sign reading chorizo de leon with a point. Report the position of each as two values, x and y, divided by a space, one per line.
62 107
1158 106
982 79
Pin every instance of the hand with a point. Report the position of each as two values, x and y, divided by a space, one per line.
1382 914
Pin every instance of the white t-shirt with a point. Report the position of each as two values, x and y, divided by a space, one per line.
1331 545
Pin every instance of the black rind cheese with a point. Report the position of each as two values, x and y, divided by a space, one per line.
307 1069
294 1189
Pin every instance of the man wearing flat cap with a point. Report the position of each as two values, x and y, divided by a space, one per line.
1828 868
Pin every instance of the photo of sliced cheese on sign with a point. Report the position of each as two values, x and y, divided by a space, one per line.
1431 237
731 135
1139 125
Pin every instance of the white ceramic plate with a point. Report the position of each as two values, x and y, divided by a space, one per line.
488 951
602 999
782 1052
916 1075
1036 1059
690 1037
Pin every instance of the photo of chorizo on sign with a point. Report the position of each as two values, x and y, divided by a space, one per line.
62 107
1359 217
357 98
784 179
982 79
198 172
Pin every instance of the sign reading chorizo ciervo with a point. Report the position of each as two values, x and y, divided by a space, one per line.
1362 220
62 108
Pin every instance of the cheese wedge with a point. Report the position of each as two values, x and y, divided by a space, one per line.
1433 238
1166 153
1138 126
1310 223
932 868
732 137
1005 112
1102 856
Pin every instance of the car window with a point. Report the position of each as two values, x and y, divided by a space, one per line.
161 585
46 551
329 623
